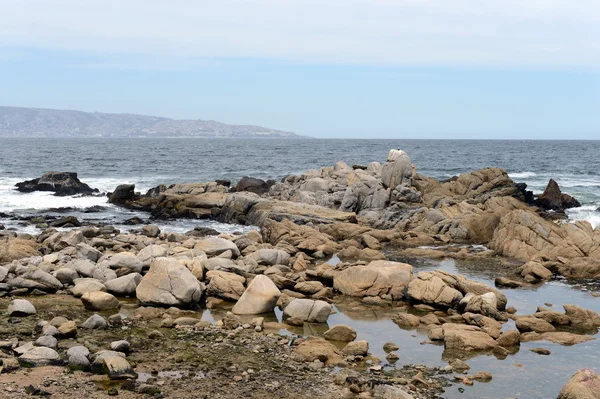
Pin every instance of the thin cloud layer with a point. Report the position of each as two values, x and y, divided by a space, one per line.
461 33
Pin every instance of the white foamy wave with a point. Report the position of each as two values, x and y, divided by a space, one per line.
522 175
587 212
12 200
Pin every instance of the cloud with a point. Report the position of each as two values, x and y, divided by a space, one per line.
461 33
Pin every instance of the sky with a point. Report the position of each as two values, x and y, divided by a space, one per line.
488 69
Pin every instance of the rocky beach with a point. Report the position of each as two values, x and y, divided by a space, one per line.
94 311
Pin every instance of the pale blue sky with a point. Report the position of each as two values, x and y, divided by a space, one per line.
352 68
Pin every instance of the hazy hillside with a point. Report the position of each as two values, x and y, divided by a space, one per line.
36 122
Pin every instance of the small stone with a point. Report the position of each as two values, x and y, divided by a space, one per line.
356 348
47 341
120 346
95 322
390 347
541 351
20 307
482 376
68 329
459 366
392 357
341 333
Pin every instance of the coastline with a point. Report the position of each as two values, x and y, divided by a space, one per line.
357 215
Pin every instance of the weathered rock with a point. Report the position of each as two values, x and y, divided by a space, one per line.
47 341
120 346
553 198
466 338
525 324
270 257
431 289
376 279
533 271
356 348
20 307
60 183
125 285
406 320
319 349
390 392
68 329
557 337
585 384
225 285
98 300
125 260
17 248
40 356
260 297
84 285
341 333
581 318
169 283
95 322
398 170
214 246
308 310
253 185
116 367
509 339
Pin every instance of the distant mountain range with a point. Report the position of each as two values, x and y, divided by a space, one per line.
38 122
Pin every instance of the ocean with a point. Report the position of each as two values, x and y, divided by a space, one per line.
104 163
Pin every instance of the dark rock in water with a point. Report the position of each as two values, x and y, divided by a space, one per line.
125 196
60 183
156 191
223 182
122 193
253 185
65 221
202 232
553 198
94 209
134 221
527 195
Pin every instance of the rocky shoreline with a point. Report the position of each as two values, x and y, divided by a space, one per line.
354 214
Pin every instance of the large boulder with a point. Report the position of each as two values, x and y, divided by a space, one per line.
214 246
125 285
260 297
253 185
584 319
585 384
270 256
98 300
225 285
60 183
40 356
378 278
398 170
431 289
308 310
464 338
319 349
20 307
17 248
553 198
169 283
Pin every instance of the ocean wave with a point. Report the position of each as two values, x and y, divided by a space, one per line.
522 175
587 212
